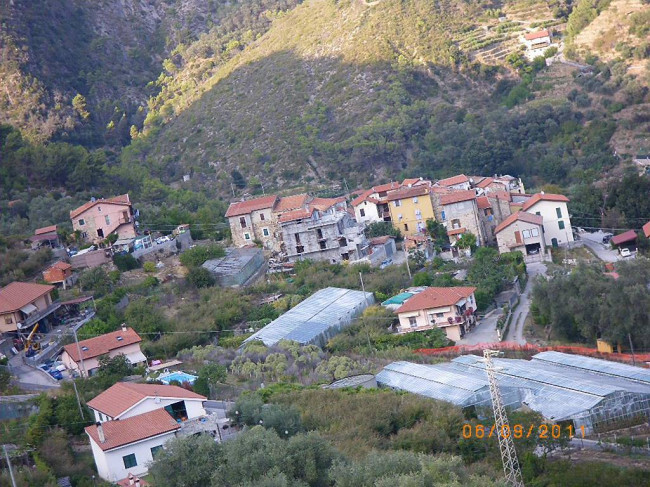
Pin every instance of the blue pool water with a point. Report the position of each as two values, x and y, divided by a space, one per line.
179 376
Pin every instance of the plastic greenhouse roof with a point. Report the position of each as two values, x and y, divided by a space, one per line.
327 309
556 391
595 365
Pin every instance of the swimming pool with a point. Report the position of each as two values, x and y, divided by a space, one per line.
179 376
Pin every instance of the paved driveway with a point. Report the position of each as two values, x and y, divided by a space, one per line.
28 377
595 242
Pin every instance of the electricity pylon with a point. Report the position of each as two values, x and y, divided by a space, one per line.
504 434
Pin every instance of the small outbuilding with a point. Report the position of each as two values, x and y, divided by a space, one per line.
238 267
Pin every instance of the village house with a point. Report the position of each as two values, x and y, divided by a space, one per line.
134 421
536 43
122 342
60 274
410 208
460 182
45 237
324 230
557 222
505 183
449 308
366 208
99 218
254 220
523 232
460 214
24 304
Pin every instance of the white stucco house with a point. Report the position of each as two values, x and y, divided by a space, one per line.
133 421
124 341
555 213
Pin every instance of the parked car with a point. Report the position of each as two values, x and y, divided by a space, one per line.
534 251
607 238
56 374
625 252
386 263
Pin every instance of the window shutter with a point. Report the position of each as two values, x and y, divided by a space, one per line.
518 237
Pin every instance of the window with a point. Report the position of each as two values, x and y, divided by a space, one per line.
247 236
319 233
155 450
84 234
362 212
107 219
99 209
415 200
455 223
242 222
538 213
406 227
265 232
82 222
129 461
413 322
559 212
8 320
262 217
443 216
100 233
440 315
323 244
526 233
398 203
560 224
534 232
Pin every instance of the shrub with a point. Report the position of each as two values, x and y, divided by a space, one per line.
125 262
200 277
149 267
198 255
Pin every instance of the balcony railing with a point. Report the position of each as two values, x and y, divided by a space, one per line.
38 315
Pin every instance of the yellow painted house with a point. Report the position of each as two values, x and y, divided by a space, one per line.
410 208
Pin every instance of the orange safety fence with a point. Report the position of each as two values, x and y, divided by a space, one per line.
641 359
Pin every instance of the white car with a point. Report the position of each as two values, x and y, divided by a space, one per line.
625 252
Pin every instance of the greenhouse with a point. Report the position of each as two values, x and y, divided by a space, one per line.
316 319
593 393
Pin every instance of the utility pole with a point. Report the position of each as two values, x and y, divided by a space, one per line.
408 267
76 393
629 337
232 187
81 357
363 288
11 472
503 431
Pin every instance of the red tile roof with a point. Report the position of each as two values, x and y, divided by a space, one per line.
362 197
323 204
63 266
385 187
624 237
380 240
436 297
411 181
519 216
454 180
17 294
122 199
646 230
245 207
531 36
103 344
536 198
483 202
501 195
404 193
293 202
41 231
298 214
456 231
130 430
485 182
123 395
457 197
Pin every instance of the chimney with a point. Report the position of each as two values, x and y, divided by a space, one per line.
137 482
100 432
131 479
123 326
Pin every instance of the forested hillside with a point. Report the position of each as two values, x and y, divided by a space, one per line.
308 95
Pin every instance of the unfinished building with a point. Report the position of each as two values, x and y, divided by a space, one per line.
595 394
238 267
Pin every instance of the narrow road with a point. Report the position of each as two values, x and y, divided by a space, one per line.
28 377
516 329
595 242
484 332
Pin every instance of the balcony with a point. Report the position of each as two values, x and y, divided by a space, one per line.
39 315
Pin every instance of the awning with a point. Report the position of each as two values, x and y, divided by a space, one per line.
28 309
136 357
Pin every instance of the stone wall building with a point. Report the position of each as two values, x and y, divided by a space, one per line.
523 232
460 211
